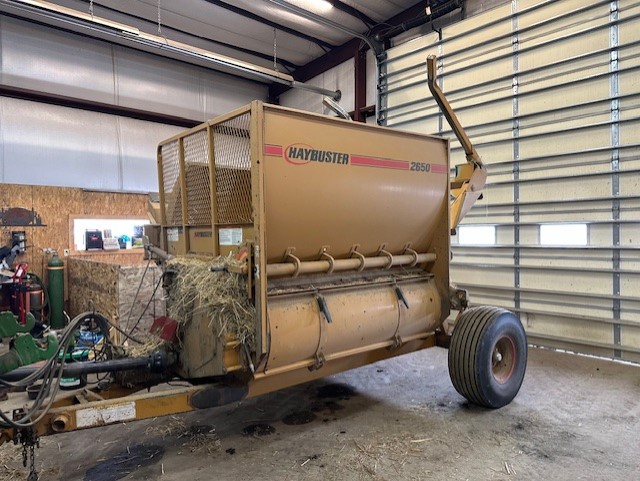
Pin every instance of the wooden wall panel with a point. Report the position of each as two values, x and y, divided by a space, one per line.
55 205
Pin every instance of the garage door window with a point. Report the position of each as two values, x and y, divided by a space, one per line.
564 235
470 235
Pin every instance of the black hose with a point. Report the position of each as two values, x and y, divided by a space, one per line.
156 362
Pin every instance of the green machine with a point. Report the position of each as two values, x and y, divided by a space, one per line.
24 349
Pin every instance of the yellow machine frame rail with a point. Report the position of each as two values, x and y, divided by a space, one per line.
471 177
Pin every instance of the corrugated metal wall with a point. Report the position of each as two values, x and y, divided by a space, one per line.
45 144
550 94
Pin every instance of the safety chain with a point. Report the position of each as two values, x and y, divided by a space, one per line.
159 20
29 439
275 50
91 8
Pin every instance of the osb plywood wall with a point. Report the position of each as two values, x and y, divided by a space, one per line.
54 205
109 286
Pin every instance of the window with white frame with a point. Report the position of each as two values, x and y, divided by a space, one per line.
109 227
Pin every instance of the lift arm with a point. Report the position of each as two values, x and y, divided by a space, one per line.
470 178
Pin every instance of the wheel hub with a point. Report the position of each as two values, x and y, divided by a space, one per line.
503 359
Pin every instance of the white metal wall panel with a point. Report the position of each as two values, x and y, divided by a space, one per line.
138 142
47 60
52 61
65 147
549 93
148 83
50 145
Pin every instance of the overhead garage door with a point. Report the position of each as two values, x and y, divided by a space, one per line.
549 92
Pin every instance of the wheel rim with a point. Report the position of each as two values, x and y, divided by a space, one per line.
503 359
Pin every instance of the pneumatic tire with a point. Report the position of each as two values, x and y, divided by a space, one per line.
488 356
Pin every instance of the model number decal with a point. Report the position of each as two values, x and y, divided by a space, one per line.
420 167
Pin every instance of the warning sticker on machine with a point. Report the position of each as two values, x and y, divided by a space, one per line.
230 237
107 415
173 234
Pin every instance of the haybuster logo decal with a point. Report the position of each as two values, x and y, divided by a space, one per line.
300 154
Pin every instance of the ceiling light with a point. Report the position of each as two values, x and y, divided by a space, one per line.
318 6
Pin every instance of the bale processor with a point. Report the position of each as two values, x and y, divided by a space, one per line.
296 246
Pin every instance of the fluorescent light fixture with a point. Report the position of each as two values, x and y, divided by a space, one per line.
80 22
322 4
318 6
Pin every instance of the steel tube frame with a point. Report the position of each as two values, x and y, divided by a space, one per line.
352 264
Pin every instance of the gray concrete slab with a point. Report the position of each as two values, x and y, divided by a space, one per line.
575 418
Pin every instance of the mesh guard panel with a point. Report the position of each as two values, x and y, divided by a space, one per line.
171 177
196 160
233 171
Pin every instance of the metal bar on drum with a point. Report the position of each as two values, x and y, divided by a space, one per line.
322 266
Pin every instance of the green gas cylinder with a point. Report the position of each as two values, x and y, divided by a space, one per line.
55 268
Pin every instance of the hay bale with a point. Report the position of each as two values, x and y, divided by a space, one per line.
221 296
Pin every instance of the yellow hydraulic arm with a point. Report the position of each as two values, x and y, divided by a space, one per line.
470 178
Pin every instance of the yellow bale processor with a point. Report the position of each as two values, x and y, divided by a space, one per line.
296 246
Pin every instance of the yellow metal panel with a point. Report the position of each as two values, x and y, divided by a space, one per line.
363 189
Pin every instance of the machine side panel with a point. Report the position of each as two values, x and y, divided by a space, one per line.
339 184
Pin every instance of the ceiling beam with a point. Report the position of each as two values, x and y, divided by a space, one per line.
245 13
345 51
93 106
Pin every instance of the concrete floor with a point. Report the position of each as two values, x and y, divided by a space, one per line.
575 418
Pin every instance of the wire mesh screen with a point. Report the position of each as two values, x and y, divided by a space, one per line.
171 178
196 164
233 170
